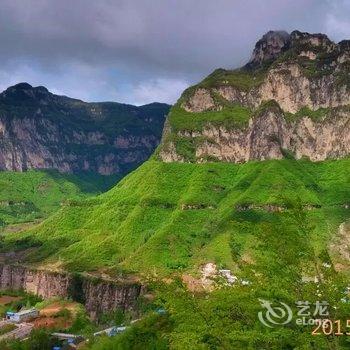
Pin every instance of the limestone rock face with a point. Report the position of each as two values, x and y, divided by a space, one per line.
97 296
201 101
269 135
286 84
270 46
296 89
40 130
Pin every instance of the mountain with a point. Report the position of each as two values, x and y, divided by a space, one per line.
292 97
245 201
169 214
40 130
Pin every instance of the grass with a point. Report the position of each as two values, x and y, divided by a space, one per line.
232 114
169 216
230 117
20 300
34 194
7 328
315 115
240 78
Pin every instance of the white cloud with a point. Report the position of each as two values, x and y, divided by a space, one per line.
76 80
160 90
85 82
9 77
337 23
136 51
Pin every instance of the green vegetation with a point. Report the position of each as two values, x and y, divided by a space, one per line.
269 222
169 216
82 324
272 223
150 333
321 65
78 135
240 78
316 115
11 300
39 339
231 116
34 194
282 252
7 328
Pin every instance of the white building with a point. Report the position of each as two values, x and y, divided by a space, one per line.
22 316
112 331
228 275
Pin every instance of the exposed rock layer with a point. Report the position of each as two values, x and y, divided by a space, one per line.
307 77
270 136
98 296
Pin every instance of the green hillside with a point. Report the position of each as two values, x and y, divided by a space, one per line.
281 227
270 222
34 194
167 217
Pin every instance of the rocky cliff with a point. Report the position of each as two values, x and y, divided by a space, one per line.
292 98
98 296
41 130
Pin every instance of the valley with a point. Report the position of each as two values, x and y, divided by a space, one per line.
26 197
239 217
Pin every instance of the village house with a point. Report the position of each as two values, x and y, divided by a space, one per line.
22 316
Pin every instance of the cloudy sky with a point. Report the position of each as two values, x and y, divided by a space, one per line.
139 51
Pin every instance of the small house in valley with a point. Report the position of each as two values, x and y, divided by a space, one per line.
22 316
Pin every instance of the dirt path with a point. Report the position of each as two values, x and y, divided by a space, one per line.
54 308
7 299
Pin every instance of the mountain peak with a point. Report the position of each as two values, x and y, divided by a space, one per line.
41 89
293 85
269 47
21 86
314 39
274 43
24 91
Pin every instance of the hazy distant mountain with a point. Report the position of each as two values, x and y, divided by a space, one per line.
40 130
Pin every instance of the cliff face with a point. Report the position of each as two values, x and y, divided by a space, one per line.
271 136
269 47
97 296
41 130
293 95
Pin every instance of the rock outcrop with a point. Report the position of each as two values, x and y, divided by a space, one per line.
40 130
270 136
98 296
269 47
295 93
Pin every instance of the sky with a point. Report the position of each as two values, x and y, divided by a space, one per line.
141 51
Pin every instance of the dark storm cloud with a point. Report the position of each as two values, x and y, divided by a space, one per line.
139 51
